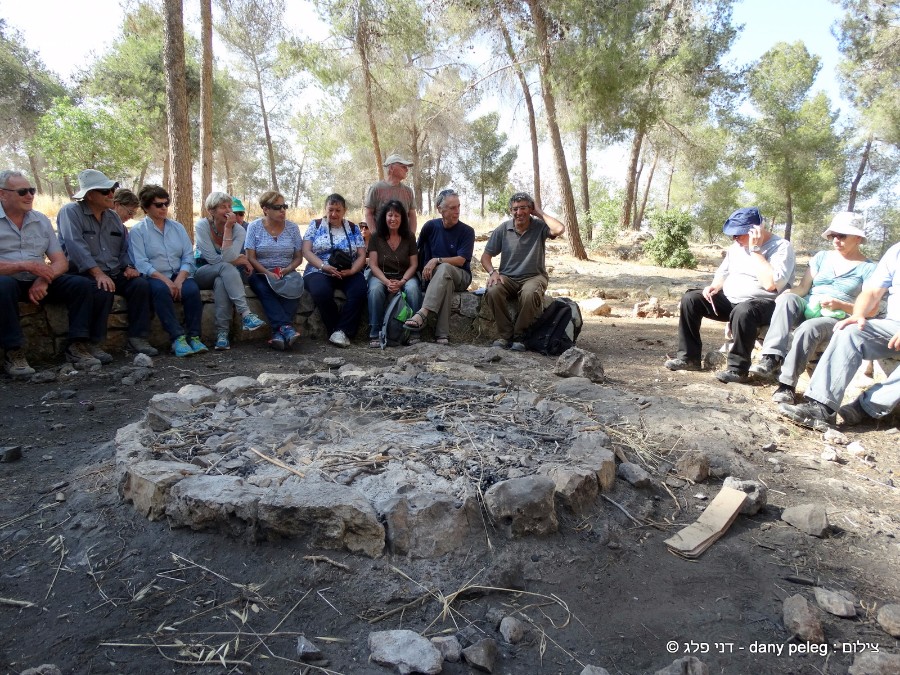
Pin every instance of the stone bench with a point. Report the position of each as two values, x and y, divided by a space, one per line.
45 326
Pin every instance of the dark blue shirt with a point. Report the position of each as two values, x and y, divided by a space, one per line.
436 241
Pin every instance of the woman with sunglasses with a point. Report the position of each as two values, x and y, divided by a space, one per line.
274 250
336 253
163 253
812 308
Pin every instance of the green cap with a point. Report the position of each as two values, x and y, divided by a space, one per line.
237 205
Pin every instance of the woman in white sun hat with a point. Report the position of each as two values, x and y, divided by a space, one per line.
812 308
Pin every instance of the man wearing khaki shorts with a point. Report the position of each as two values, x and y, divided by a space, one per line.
521 243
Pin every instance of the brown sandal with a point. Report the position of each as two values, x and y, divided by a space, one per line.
416 321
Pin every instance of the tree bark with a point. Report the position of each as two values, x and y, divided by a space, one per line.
639 215
630 186
34 173
570 215
178 129
361 43
860 172
415 149
206 87
789 215
229 184
671 177
529 105
265 118
585 191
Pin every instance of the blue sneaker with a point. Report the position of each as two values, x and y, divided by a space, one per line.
181 347
197 345
222 342
252 322
290 336
277 341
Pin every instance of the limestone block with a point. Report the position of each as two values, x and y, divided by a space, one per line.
197 394
595 307
889 619
809 518
204 502
874 663
482 655
449 647
576 487
333 516
693 465
836 603
757 494
147 485
596 458
426 525
164 409
634 474
801 620
408 651
523 505
235 386
577 362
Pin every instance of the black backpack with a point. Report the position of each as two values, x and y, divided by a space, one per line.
556 329
393 331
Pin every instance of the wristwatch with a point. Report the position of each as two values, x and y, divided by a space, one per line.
755 249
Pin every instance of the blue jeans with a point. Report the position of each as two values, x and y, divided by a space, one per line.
164 306
279 311
76 292
137 298
322 288
378 298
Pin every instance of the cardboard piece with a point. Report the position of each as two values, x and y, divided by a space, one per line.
715 520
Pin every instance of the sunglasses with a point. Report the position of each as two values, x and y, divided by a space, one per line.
21 191
160 205
106 192
278 207
837 236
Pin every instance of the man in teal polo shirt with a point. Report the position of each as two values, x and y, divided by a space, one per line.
521 243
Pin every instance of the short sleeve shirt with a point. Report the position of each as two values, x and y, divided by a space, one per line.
436 241
521 255
32 243
272 252
844 287
382 192
90 243
887 275
392 263
324 241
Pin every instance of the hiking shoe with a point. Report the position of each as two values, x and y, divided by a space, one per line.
853 414
784 394
683 364
501 343
197 345
277 341
732 375
290 336
517 347
252 322
809 414
181 347
78 354
102 356
222 343
767 367
16 365
339 338
141 346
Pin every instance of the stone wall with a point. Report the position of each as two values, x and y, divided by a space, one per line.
45 326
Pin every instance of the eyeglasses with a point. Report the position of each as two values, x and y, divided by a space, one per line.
520 208
363 226
21 191
278 207
107 191
160 205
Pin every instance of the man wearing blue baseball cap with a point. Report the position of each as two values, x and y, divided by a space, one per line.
757 267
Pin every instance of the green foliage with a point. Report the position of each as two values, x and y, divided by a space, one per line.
483 160
606 204
669 246
94 134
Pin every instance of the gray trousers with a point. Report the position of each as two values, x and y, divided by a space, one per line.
846 351
439 294
227 285
808 336
530 293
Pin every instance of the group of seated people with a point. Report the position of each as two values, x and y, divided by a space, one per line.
155 265
833 305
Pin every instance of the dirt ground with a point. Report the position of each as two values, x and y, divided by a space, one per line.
115 593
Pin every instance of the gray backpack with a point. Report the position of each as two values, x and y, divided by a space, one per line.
393 329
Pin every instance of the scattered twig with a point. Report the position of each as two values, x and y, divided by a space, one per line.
59 543
623 510
279 463
16 603
326 559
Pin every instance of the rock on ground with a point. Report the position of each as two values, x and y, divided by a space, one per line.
688 665
424 525
576 487
757 494
408 651
577 362
523 505
307 650
872 663
834 603
449 647
595 307
809 518
800 619
147 485
236 385
889 619
512 630
196 394
693 465
633 474
594 670
44 669
482 655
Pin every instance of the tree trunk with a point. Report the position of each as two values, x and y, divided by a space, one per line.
639 215
34 173
415 148
177 105
529 104
265 118
142 177
206 87
860 171
361 42
671 177
788 216
569 212
585 192
630 187
68 186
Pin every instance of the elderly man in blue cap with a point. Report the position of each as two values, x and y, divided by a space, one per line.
757 267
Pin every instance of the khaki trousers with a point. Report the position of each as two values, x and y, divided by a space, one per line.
439 294
530 293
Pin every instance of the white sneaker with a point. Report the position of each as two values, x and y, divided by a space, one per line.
338 338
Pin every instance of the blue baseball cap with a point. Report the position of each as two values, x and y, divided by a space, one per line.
742 221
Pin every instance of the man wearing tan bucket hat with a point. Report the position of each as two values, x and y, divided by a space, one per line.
391 188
